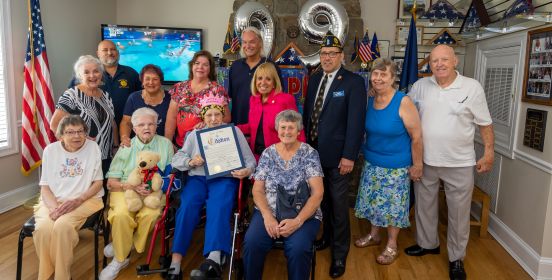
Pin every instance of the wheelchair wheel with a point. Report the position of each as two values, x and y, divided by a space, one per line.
237 269
164 262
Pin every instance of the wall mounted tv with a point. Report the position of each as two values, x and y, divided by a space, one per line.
169 48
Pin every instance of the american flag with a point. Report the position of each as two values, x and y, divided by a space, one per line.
518 7
38 104
289 58
235 42
472 21
442 9
444 39
364 49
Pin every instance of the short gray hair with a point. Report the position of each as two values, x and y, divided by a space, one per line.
83 60
143 112
383 63
74 120
257 34
289 116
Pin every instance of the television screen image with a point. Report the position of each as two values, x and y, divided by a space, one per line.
169 48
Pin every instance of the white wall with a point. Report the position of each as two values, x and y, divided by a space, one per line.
380 17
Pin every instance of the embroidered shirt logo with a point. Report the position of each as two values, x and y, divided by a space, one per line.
123 83
71 168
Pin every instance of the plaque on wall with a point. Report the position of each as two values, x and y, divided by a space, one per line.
535 127
402 34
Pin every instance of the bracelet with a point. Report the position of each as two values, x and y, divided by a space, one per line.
122 186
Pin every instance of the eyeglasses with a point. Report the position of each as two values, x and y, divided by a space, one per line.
142 125
74 132
330 54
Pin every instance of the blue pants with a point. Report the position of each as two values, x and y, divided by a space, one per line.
218 196
297 249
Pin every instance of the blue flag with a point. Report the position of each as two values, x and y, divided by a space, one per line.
227 41
375 47
354 56
409 73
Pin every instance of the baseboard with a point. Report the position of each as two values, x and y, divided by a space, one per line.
545 269
537 267
17 197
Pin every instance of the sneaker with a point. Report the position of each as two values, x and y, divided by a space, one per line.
108 251
111 271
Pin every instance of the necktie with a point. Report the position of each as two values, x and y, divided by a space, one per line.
317 108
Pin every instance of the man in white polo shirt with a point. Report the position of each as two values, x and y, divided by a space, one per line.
451 106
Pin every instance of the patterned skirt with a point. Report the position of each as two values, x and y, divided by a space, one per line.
383 196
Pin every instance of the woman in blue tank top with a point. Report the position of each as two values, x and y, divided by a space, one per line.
393 156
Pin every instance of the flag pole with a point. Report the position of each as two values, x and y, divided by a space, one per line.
31 49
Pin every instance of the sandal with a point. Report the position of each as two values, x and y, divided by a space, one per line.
366 241
388 256
209 269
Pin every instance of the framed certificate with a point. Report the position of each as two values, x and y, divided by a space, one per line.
402 34
220 149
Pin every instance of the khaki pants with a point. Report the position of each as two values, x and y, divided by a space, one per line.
128 228
458 184
55 240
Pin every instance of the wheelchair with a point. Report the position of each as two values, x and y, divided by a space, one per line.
164 229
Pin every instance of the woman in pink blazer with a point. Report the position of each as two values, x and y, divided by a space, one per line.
267 100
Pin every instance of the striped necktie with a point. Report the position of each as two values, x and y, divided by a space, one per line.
317 109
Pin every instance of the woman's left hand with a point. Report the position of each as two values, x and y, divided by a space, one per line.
415 172
68 206
289 226
241 173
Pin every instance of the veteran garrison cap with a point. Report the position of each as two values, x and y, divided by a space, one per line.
331 40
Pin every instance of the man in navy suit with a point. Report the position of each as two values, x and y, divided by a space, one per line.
334 113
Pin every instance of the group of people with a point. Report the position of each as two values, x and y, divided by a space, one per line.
110 113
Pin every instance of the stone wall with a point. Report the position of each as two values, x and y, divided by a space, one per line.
285 13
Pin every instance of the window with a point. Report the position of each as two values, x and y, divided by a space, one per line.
497 68
8 131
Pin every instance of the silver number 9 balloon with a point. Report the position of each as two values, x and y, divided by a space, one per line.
337 18
257 15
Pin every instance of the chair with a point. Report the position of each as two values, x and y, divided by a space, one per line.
95 223
279 244
485 200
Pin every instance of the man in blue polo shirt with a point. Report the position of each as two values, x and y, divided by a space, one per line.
241 73
119 80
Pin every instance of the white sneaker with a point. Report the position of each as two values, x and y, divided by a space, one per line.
108 251
111 271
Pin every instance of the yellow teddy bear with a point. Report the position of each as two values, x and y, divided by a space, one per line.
145 172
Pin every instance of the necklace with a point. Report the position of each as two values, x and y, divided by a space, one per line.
154 100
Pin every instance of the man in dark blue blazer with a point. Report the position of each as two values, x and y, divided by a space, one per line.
334 113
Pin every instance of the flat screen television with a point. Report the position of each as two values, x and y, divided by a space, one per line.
167 47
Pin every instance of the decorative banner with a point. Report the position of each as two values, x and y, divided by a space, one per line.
295 83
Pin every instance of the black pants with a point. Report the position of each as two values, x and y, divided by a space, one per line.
335 208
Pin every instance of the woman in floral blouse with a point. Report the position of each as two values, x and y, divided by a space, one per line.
286 164
183 115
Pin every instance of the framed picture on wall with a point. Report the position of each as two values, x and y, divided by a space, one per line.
401 35
404 7
537 81
399 60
